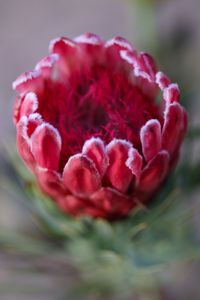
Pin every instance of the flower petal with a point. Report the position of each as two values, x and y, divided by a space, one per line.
28 81
149 63
23 142
72 205
162 80
91 50
67 51
171 93
46 146
51 183
134 163
79 207
29 105
118 43
118 173
132 58
34 120
114 203
62 46
88 38
16 108
150 136
46 64
140 74
174 120
81 176
154 172
94 149
113 48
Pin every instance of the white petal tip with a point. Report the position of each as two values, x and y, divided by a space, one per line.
25 77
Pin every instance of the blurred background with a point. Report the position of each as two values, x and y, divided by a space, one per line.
168 29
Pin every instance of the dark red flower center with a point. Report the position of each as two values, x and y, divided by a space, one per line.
100 101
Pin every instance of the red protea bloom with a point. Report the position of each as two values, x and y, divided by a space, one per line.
91 126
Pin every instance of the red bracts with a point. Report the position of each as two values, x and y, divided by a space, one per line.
99 126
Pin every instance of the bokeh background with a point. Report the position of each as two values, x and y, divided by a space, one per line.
169 29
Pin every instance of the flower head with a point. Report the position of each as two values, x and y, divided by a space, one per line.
91 127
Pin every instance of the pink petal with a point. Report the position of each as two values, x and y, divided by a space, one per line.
51 183
149 63
113 49
62 46
67 51
34 120
72 205
131 57
95 150
29 81
81 176
171 93
173 123
150 136
23 143
88 38
17 108
46 64
29 105
46 146
134 163
118 173
79 207
140 73
113 202
154 173
91 46
139 69
119 43
162 80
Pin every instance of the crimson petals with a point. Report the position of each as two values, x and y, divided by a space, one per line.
46 64
150 136
153 174
149 63
62 46
113 48
29 105
67 51
118 173
23 142
174 121
87 88
134 163
162 80
88 38
28 81
81 176
46 146
16 109
78 207
51 182
118 43
171 93
95 150
142 71
113 202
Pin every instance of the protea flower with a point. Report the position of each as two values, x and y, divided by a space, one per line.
98 125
